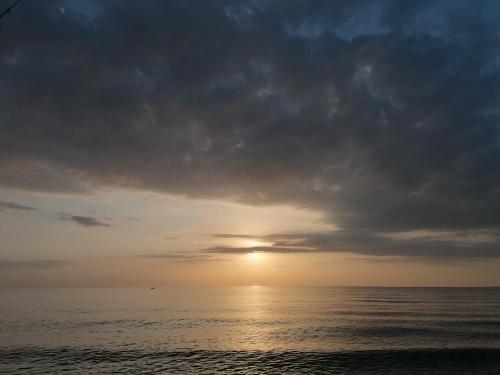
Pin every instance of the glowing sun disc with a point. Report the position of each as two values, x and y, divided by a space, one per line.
255 256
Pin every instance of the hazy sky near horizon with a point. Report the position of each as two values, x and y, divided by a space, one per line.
250 142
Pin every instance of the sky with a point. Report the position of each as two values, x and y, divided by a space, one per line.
259 142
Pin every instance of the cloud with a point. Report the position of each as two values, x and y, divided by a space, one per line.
31 264
228 235
38 175
171 238
257 249
86 221
382 115
423 245
133 218
182 257
15 206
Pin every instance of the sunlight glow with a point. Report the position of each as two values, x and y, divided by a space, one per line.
255 256
253 243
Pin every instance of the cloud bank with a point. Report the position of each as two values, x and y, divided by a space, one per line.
381 114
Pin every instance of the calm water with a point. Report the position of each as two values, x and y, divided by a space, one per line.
250 330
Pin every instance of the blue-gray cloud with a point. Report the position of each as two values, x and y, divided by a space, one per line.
381 114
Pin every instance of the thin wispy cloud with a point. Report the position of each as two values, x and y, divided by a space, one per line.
32 264
171 238
15 206
133 218
231 236
182 257
86 221
257 249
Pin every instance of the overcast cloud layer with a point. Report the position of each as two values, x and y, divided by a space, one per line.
384 115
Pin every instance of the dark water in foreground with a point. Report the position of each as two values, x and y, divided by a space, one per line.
250 330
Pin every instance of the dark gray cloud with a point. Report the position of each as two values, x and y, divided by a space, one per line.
31 264
381 114
86 221
15 206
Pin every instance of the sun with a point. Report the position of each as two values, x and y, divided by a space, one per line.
256 249
255 256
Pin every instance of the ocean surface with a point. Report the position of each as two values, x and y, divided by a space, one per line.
250 330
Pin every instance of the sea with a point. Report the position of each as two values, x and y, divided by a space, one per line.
250 330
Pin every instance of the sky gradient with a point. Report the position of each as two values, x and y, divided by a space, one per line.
250 142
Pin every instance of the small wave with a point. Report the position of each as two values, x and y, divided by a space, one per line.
35 360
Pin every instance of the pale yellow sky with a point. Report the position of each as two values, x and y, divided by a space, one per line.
154 239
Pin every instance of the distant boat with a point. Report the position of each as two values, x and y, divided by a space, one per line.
152 288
